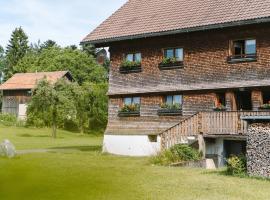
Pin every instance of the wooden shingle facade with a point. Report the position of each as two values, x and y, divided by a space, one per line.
191 75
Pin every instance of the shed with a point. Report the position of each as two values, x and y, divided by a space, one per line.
17 90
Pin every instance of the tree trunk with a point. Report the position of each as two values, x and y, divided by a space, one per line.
54 126
54 130
81 126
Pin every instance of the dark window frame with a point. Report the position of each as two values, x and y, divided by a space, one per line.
133 55
174 52
243 56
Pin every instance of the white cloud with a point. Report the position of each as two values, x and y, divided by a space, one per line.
65 21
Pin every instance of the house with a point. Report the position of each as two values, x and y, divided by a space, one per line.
185 72
17 90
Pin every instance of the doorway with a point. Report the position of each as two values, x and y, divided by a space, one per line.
243 100
234 147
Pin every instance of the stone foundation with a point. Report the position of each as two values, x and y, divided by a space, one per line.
258 150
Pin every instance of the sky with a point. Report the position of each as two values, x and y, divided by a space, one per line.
65 21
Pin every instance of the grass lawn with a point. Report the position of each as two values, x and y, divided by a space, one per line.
86 174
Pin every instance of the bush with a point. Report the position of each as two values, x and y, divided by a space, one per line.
10 120
177 153
237 165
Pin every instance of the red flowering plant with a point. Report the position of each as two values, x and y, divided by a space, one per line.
219 107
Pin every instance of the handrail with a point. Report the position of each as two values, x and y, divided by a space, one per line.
208 123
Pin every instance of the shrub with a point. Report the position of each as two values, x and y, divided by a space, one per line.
10 120
177 153
237 165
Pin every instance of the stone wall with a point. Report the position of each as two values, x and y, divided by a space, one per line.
258 150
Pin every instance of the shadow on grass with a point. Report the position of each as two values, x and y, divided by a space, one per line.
37 136
223 172
79 148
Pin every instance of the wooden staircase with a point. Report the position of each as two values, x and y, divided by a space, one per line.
207 123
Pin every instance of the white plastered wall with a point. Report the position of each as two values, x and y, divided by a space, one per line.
217 148
130 145
22 111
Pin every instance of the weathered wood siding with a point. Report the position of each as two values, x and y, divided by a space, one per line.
12 99
149 122
205 61
205 70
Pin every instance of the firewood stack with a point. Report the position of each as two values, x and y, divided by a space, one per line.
258 150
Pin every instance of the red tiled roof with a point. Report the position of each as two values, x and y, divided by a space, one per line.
21 81
141 18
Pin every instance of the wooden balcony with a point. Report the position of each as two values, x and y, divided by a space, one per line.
208 123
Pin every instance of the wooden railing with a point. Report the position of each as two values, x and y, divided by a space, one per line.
208 123
179 133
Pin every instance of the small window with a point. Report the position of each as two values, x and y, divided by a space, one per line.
220 99
132 100
135 57
176 53
152 138
243 47
173 99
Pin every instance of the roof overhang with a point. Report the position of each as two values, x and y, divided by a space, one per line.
104 41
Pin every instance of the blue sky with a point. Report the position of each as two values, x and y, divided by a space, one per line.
64 21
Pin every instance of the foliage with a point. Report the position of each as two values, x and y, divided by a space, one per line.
50 105
237 165
2 62
48 44
10 120
168 61
265 106
175 106
89 49
68 105
16 50
130 64
130 108
177 153
220 107
82 66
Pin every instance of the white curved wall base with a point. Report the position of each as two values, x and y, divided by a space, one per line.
130 145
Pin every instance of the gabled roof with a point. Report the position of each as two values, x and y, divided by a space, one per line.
23 81
145 18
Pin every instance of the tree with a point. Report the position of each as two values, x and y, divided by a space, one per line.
48 44
2 63
16 50
51 105
82 66
89 49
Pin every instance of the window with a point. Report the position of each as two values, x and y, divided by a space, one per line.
220 100
134 57
243 47
266 97
176 53
174 99
132 100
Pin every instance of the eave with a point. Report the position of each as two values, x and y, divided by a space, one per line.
106 41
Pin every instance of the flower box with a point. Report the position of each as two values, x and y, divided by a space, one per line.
129 113
127 70
242 58
169 112
171 65
219 109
